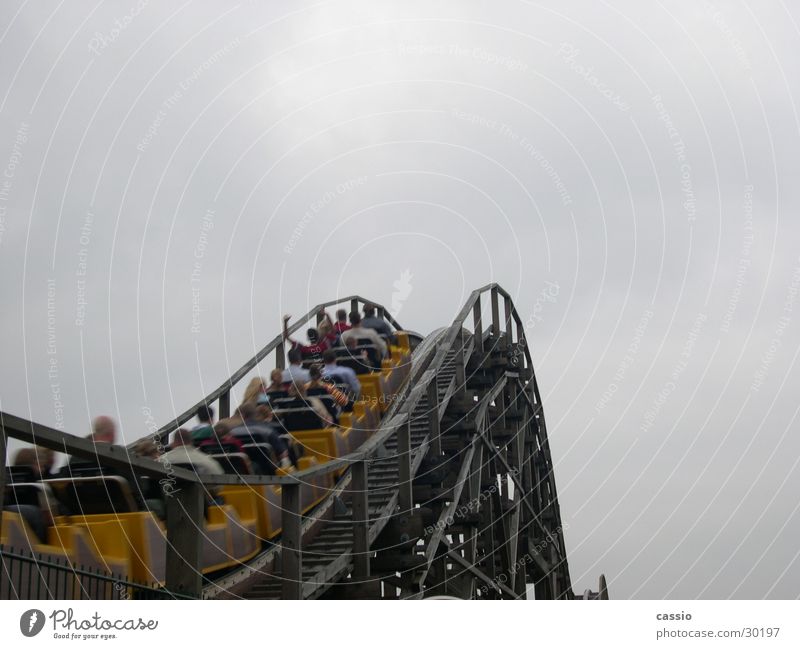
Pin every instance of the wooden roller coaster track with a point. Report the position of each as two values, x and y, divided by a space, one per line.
453 494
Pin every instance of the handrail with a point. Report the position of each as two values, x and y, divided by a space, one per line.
120 457
112 455
271 346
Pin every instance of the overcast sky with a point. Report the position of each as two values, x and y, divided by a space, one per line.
177 176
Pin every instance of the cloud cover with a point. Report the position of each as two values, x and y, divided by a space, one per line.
177 177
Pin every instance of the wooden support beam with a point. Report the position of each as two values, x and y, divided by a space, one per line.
517 485
280 356
487 523
353 305
494 583
406 495
495 315
225 405
185 522
461 374
509 323
434 424
359 499
291 543
477 326
473 492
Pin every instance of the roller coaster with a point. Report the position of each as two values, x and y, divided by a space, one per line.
437 482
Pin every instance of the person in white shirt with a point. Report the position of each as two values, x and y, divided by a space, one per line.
370 321
296 373
357 331
346 375
183 451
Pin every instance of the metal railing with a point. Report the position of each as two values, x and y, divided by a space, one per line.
32 575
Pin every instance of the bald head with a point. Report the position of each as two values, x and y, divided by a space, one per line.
104 429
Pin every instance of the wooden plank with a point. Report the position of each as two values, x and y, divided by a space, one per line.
185 522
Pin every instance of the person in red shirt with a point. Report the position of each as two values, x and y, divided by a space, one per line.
223 440
316 343
340 326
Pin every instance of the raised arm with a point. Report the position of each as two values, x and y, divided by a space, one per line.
286 335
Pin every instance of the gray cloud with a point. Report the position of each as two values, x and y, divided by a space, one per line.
639 158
